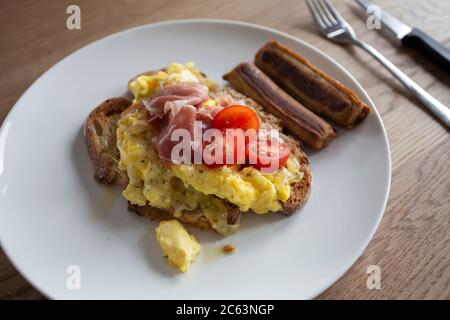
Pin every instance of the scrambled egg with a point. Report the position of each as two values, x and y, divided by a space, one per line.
192 187
247 188
189 186
179 246
146 85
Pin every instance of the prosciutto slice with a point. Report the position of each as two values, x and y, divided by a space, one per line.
174 97
177 107
184 118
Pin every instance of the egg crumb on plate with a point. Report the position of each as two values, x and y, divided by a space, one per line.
229 249
179 246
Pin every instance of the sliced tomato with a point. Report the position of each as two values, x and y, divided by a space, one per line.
230 149
268 156
236 116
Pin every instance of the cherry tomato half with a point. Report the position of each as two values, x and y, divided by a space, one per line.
229 146
268 156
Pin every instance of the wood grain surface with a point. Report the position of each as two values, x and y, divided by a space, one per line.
412 244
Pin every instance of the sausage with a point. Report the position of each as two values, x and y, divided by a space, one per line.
305 125
311 86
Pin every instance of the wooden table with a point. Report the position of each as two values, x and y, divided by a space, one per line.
412 244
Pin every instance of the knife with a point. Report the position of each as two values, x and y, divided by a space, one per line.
412 37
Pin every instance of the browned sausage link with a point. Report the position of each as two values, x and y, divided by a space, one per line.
305 125
309 85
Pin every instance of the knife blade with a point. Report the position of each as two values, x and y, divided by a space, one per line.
410 37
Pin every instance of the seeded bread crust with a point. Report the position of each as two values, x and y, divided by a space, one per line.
100 135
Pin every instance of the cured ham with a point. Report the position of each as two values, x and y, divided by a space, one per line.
184 118
177 107
174 97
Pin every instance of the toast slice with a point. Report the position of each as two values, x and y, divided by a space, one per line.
100 135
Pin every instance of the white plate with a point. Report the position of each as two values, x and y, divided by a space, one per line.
54 215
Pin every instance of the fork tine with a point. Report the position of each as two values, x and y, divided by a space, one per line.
321 12
316 15
333 11
331 24
327 11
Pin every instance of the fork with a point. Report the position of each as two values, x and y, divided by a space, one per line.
333 27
